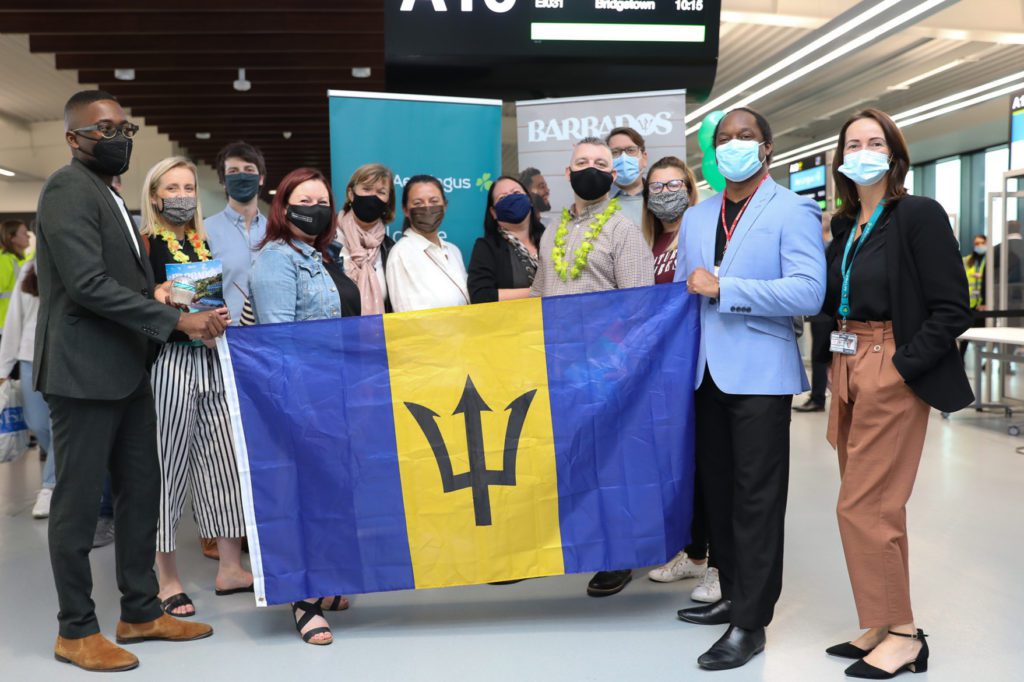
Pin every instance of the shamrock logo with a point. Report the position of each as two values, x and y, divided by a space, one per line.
484 182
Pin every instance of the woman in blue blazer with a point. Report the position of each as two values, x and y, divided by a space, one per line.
755 256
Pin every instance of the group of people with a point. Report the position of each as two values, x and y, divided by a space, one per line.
134 387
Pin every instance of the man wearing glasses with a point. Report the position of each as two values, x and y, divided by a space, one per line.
629 156
98 327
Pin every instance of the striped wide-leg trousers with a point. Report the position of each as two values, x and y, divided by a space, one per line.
195 447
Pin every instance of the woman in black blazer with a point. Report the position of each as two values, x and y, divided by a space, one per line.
504 260
905 305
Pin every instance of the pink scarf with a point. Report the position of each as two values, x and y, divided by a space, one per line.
363 247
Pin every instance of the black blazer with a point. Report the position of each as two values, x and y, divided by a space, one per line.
97 318
385 249
927 295
490 268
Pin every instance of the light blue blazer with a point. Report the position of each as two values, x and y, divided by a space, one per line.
773 270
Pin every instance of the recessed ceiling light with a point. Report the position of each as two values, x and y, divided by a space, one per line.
124 74
361 71
202 136
272 192
242 85
4 171
287 134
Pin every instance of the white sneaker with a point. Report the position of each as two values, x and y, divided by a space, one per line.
42 506
679 567
710 589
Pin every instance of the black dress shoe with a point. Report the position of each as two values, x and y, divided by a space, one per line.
734 649
810 406
607 583
718 613
866 671
847 650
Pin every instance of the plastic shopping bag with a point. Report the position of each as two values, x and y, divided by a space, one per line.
13 431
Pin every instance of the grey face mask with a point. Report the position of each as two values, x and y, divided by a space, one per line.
668 206
178 210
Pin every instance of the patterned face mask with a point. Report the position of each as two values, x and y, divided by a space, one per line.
178 210
668 206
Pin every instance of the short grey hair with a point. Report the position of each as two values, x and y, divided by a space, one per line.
594 141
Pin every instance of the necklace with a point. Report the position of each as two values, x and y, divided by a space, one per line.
174 246
592 232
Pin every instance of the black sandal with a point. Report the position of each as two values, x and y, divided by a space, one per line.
337 603
309 612
176 601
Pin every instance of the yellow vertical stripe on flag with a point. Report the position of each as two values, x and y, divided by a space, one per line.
462 381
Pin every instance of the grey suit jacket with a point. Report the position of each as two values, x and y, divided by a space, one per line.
97 318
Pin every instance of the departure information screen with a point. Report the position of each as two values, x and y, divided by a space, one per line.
808 177
505 37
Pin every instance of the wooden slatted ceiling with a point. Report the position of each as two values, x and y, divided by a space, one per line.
186 57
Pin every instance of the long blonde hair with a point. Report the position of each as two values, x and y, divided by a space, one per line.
150 216
650 225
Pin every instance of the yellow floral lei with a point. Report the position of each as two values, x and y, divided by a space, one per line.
174 246
583 252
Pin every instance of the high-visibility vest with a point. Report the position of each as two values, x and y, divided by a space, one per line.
975 281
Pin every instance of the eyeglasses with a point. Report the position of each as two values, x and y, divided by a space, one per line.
631 151
109 130
671 186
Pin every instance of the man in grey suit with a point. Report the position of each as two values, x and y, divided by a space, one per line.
98 327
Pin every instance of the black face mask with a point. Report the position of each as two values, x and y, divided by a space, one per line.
242 187
313 220
591 183
368 208
109 157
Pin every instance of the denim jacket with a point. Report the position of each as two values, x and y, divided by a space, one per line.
290 286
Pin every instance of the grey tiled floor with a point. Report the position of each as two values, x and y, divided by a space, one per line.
967 528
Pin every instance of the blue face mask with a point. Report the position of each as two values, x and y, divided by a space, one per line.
739 159
865 167
628 169
242 186
513 208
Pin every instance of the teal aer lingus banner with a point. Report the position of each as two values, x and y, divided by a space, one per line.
456 140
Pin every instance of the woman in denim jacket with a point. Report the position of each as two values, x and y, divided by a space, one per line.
296 275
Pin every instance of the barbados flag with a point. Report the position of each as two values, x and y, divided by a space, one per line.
465 445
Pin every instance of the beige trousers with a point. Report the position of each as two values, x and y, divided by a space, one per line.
878 426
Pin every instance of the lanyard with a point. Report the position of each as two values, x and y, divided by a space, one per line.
847 268
730 230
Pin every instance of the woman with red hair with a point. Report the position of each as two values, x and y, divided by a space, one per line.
297 276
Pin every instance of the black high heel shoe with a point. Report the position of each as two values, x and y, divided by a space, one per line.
866 671
847 650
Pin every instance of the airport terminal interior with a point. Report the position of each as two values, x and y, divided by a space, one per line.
196 75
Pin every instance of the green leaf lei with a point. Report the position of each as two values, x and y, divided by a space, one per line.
583 252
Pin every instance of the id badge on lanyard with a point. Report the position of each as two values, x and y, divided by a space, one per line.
842 341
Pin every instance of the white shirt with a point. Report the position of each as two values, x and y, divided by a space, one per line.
422 275
19 339
129 224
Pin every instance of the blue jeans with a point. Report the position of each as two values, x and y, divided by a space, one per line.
37 416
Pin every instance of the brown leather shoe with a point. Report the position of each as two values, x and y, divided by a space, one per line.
209 546
165 627
95 653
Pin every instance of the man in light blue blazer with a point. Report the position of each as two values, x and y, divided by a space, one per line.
755 256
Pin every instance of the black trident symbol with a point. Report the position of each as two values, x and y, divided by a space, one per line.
479 477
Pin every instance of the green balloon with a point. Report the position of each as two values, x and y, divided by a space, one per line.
711 173
706 134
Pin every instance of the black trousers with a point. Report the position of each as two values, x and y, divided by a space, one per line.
91 437
822 327
743 454
698 547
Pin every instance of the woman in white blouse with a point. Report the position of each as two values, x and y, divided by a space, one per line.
423 270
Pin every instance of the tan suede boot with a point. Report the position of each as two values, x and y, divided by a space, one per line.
165 627
95 653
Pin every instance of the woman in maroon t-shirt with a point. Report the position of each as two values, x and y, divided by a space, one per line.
670 189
